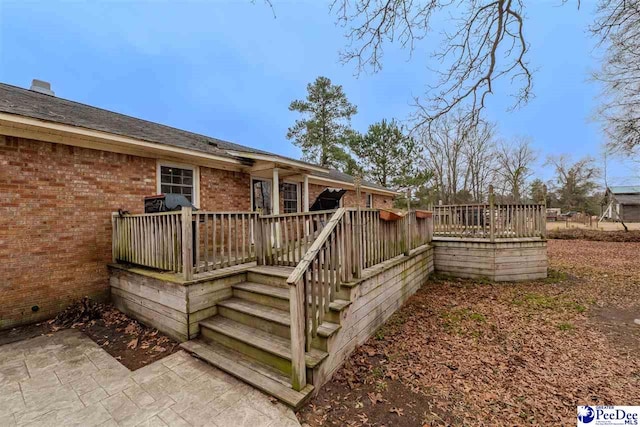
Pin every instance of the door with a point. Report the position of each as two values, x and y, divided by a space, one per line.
261 196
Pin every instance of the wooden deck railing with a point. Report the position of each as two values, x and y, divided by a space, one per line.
223 239
209 241
489 221
284 239
350 241
152 240
313 285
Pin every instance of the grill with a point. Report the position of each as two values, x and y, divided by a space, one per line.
166 203
328 199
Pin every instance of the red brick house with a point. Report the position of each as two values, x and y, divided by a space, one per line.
65 167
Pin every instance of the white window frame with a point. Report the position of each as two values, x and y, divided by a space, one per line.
196 178
367 197
298 198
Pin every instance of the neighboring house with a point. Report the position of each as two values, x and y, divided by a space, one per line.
553 214
623 203
65 167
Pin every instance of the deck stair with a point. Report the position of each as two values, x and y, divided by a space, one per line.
249 337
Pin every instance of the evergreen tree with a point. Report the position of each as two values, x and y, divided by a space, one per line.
537 191
388 156
323 131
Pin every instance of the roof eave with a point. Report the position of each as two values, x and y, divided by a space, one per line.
277 160
27 127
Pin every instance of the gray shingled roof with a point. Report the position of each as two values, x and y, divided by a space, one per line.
23 102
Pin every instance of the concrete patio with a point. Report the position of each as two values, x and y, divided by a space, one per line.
67 379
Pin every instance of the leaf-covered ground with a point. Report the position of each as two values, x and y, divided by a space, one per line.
467 353
129 341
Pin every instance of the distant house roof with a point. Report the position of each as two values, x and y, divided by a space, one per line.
625 189
27 103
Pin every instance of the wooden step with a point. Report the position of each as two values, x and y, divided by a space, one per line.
277 297
240 336
272 296
250 371
270 275
268 319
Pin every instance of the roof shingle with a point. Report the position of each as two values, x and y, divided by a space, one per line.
27 103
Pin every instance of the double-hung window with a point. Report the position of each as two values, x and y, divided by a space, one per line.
178 180
290 197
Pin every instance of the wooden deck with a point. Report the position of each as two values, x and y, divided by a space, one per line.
281 301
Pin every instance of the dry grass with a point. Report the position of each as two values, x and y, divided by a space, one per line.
466 353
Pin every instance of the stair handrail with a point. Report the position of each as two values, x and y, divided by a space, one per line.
307 314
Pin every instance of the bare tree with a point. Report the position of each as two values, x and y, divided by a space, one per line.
514 166
443 144
618 28
486 44
479 151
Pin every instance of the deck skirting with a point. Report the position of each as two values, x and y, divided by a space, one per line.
374 298
171 305
500 261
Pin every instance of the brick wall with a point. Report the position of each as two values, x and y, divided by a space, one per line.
55 222
222 190
55 219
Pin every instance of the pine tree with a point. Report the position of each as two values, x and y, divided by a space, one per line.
388 156
323 131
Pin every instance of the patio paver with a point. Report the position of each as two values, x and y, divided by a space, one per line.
67 379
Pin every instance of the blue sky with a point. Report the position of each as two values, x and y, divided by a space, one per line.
229 69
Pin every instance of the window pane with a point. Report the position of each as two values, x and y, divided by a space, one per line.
290 197
176 181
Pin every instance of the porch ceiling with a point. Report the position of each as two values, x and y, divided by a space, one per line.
264 169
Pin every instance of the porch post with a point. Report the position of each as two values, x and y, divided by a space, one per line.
187 243
305 194
114 237
275 205
407 248
544 213
357 180
492 214
275 193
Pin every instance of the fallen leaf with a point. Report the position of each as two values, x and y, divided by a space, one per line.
398 411
374 397
133 343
